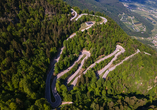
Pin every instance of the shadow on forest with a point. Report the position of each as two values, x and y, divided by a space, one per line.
69 88
139 96
146 106
97 75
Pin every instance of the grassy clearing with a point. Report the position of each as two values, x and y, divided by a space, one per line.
84 26
134 75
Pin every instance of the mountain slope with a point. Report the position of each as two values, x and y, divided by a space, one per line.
132 85
32 33
122 87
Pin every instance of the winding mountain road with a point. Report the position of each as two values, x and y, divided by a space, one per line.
57 97
52 87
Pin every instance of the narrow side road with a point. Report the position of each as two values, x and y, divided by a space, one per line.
118 49
122 50
73 11
111 69
84 52
87 53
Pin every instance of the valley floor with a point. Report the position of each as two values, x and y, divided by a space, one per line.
149 14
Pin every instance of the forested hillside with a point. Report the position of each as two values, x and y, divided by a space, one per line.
31 35
113 8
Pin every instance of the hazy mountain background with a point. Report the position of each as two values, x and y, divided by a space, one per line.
152 3
139 1
112 9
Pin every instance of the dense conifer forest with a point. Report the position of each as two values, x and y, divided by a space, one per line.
32 32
